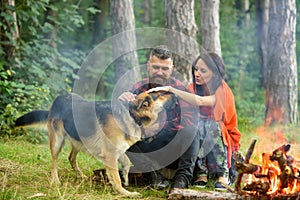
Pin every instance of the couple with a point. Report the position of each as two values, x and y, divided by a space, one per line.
204 116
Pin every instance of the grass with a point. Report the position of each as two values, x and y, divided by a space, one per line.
25 172
25 168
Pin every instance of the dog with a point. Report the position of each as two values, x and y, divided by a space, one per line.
104 129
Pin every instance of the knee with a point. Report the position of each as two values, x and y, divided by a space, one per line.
189 132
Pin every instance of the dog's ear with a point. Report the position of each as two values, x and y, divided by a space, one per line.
155 95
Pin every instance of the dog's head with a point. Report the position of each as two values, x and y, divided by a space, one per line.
146 107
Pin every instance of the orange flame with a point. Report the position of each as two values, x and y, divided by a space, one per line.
283 175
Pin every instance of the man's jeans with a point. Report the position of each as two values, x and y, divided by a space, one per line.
167 149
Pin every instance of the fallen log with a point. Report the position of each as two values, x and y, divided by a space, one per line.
188 194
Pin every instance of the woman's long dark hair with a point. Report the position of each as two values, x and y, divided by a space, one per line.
215 63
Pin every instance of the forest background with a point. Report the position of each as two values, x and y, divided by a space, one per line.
45 43
42 63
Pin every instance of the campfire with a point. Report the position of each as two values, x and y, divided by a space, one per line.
275 176
278 174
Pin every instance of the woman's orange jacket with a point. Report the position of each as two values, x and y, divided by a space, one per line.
225 114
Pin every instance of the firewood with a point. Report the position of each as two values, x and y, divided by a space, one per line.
240 175
275 167
250 152
228 188
247 168
283 180
278 156
261 187
290 160
285 163
267 176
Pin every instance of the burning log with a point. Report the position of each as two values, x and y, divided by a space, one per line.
261 187
240 175
285 178
279 154
247 168
274 177
285 163
262 176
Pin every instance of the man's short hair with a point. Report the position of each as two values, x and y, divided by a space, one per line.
161 52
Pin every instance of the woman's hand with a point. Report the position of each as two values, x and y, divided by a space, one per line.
157 89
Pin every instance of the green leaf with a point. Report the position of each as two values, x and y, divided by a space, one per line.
93 10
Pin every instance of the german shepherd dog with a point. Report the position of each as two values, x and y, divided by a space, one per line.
104 129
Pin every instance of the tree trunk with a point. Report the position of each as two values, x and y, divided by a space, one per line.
262 20
146 15
281 70
247 13
124 44
181 35
9 44
99 33
99 28
50 14
243 7
210 26
15 30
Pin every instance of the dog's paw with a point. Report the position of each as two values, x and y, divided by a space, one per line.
134 194
126 183
126 193
54 180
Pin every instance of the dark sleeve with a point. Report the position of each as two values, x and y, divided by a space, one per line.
184 114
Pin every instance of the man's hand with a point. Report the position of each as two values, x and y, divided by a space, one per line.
127 96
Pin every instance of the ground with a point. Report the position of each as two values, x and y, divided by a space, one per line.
25 169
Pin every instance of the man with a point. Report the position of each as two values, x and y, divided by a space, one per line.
172 139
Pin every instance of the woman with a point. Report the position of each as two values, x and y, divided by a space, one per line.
220 136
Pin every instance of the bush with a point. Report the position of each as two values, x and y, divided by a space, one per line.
17 98
32 69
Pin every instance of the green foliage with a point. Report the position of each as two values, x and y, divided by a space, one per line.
38 69
239 51
36 136
15 98
155 12
7 118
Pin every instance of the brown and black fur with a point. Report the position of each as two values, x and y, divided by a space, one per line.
104 129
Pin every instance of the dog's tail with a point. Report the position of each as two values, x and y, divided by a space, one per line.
32 119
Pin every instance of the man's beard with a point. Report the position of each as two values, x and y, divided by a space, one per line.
158 80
